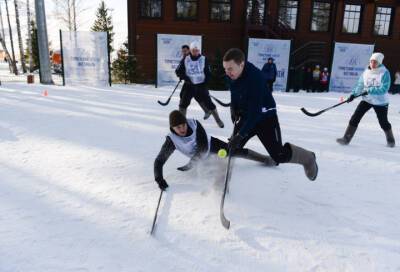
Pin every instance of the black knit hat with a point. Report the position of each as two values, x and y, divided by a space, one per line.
176 118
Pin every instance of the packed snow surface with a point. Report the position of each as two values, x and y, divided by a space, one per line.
77 191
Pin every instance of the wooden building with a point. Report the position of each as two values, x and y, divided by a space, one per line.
312 25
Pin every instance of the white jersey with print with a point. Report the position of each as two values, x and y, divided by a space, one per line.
373 78
195 69
187 145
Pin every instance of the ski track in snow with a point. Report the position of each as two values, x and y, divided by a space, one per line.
77 190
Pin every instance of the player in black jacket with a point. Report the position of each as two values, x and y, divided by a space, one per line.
186 85
194 69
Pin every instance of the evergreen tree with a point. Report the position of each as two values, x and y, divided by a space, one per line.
35 48
217 81
103 23
125 66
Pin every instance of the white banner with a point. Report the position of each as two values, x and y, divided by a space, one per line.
261 49
349 61
85 57
169 55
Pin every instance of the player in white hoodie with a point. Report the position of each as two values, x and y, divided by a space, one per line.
376 81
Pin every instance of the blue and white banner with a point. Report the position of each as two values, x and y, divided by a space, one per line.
169 55
85 57
261 49
349 62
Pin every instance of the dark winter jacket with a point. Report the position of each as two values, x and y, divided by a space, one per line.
251 98
269 71
168 148
181 70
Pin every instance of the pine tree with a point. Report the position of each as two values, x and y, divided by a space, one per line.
35 48
103 23
125 66
217 81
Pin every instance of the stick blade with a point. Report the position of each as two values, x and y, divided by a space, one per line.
225 222
310 113
152 231
164 103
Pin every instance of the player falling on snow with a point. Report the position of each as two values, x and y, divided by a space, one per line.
189 137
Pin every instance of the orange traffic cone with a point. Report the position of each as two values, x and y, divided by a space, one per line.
45 93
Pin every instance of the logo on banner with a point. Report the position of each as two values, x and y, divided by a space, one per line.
166 40
268 48
354 61
342 49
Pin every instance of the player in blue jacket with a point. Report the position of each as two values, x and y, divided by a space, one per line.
254 107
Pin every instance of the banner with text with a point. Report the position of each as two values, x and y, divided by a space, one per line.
261 49
169 55
349 62
85 57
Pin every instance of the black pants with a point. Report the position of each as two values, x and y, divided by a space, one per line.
269 133
381 113
199 92
324 87
216 144
315 86
270 84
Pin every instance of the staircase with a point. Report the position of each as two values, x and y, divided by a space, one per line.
308 54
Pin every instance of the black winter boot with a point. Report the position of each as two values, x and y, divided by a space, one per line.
207 112
390 138
305 158
348 135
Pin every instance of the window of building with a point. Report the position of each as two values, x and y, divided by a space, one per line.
288 13
321 15
220 10
256 12
351 19
186 9
150 8
383 18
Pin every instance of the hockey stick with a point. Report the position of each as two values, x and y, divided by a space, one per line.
155 216
220 102
169 98
313 114
225 222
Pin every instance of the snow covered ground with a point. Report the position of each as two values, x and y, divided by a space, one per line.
77 190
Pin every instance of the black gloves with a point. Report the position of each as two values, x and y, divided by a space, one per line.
351 98
162 184
186 167
235 141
